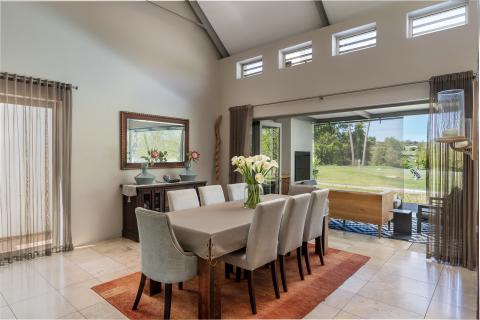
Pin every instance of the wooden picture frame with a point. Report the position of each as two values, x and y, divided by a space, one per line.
125 116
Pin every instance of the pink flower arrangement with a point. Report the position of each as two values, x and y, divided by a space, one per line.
192 156
155 155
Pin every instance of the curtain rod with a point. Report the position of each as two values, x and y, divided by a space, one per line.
322 96
42 82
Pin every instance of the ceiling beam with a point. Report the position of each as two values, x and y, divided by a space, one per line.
202 18
321 12
364 114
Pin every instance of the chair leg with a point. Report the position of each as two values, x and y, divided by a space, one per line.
299 262
168 301
238 274
320 253
228 270
282 272
273 269
307 258
317 245
180 286
143 279
251 291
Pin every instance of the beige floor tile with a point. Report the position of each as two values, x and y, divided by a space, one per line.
459 279
83 255
323 311
75 315
384 293
369 308
446 295
3 302
418 247
424 289
109 276
18 287
339 298
81 295
426 273
353 284
47 306
6 313
101 266
367 272
346 315
102 310
439 310
130 259
62 277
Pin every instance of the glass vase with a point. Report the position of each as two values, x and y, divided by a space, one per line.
252 195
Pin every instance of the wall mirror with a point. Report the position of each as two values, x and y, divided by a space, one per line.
161 141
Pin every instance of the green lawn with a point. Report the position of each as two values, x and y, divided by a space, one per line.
373 178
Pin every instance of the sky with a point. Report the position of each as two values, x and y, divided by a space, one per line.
409 128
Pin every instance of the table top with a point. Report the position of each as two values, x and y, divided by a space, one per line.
214 230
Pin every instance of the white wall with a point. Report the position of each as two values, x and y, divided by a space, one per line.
123 56
396 59
301 140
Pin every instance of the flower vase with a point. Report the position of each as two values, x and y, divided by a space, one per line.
252 195
189 175
144 177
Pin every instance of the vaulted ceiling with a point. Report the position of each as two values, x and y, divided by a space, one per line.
241 25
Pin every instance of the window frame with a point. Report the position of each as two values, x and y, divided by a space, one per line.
243 63
282 53
353 32
432 11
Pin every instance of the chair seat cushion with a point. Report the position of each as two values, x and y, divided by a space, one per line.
237 258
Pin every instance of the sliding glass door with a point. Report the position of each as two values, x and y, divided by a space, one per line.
270 145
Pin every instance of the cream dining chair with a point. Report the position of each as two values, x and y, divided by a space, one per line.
236 191
211 195
182 199
162 258
291 232
314 224
261 246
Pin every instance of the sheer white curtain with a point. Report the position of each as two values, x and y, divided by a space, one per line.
35 149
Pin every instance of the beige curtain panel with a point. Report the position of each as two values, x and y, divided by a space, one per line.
240 136
35 161
452 183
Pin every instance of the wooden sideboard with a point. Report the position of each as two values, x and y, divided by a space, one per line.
153 197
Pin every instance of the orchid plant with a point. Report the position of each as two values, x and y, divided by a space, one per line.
255 170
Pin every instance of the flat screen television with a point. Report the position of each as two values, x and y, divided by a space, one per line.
302 165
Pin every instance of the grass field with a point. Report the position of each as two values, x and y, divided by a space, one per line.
373 178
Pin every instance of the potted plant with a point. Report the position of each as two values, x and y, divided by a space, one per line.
191 157
152 156
255 170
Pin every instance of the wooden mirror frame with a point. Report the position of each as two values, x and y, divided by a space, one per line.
124 116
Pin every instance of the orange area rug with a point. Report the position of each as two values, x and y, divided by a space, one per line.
301 298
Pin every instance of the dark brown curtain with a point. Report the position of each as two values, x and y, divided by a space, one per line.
241 118
452 183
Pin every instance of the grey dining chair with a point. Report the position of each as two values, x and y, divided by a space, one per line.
182 199
236 191
291 233
314 225
261 246
211 195
162 258
295 189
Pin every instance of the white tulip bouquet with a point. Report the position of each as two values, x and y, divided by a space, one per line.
255 170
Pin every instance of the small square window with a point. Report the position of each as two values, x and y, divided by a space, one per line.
250 67
437 18
354 39
299 54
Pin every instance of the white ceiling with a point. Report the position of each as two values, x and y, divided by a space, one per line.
242 25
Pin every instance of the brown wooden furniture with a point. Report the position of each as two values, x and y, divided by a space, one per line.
153 197
367 207
285 180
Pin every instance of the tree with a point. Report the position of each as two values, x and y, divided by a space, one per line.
365 144
352 149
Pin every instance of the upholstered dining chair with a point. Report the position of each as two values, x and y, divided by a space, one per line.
236 191
261 246
211 195
295 189
182 199
162 258
314 225
291 232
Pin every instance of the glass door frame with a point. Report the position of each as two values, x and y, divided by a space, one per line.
272 124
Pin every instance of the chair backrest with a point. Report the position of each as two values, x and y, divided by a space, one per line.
263 234
293 223
211 195
236 191
182 199
295 189
316 212
162 257
308 182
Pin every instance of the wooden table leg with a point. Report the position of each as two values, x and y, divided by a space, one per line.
210 278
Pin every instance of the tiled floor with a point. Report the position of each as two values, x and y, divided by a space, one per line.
397 282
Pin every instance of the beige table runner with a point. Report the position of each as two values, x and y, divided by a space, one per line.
215 230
